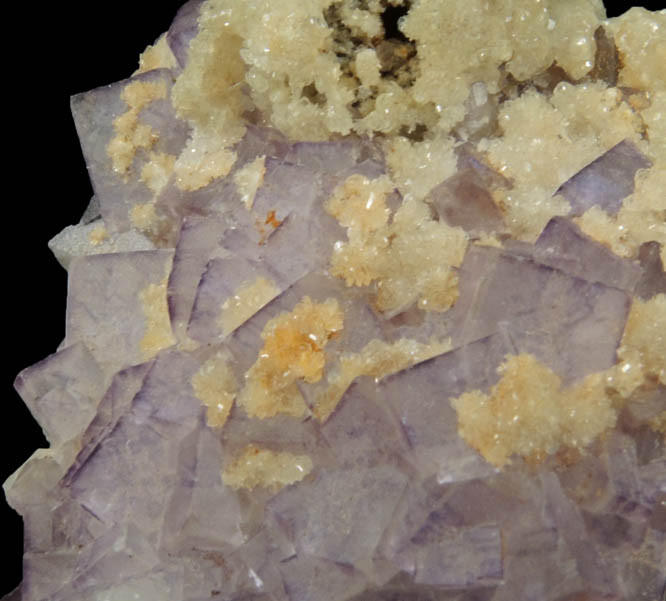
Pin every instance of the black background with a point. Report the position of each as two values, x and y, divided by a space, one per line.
65 48
61 48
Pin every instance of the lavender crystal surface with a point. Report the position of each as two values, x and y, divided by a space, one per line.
171 280
605 181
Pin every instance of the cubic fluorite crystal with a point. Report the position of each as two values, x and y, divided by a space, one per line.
369 305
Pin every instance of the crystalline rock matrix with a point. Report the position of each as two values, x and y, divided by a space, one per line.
369 304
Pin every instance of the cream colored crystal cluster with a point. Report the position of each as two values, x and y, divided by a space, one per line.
550 97
319 69
528 412
322 67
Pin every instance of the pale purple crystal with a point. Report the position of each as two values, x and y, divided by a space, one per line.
606 181
310 579
564 246
625 496
569 522
342 514
197 241
364 429
94 114
539 310
183 29
469 557
397 494
62 392
104 306
420 397
462 201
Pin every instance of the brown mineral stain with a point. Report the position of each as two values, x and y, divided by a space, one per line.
568 456
216 558
273 224
272 221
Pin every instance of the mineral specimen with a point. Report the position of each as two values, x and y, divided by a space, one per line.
369 305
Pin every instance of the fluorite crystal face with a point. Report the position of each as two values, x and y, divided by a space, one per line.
369 305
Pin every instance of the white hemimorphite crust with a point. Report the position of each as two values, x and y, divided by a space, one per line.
266 468
247 299
528 37
281 50
158 334
202 161
156 56
564 133
407 260
293 351
216 386
529 413
93 239
641 42
248 180
376 359
417 167
403 86
131 134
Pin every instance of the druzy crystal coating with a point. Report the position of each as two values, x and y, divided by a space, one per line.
363 315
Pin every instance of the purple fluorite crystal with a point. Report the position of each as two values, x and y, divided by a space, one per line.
183 30
605 181
130 500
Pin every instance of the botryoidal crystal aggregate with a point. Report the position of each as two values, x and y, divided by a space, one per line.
369 304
